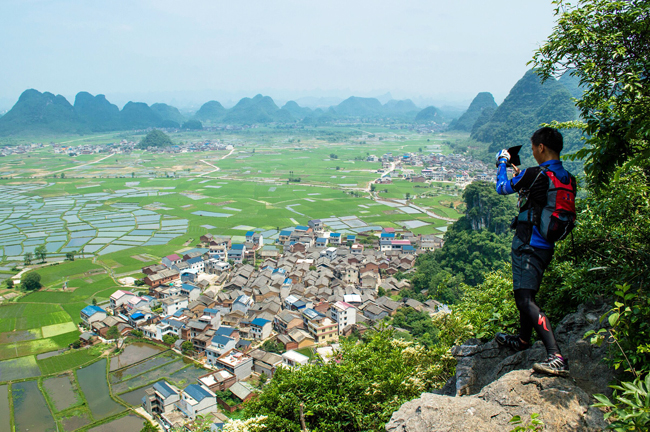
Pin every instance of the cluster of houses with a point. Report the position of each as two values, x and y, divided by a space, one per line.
460 169
126 147
322 286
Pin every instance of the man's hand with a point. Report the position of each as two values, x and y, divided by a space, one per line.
516 170
503 156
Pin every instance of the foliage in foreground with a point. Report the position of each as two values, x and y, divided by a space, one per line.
358 390
630 410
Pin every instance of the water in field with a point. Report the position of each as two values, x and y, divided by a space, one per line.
149 377
92 380
130 423
134 353
30 410
75 422
134 398
60 391
18 368
4 409
130 372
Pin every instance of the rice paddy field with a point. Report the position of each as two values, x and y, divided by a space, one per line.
118 213
79 390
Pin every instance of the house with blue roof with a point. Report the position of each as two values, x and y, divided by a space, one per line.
351 238
335 238
261 328
254 240
218 345
237 253
197 400
196 263
190 291
161 398
228 331
284 236
91 314
387 236
321 241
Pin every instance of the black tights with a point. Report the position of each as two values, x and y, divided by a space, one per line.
530 315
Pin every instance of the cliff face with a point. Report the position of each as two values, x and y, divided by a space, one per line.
493 384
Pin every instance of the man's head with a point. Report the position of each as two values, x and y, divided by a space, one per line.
547 144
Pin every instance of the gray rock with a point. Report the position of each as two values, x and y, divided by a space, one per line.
561 404
479 364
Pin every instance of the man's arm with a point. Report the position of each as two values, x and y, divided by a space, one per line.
505 186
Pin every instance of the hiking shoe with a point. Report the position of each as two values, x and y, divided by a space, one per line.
511 341
553 365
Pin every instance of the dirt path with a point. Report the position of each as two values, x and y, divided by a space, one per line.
74 167
216 168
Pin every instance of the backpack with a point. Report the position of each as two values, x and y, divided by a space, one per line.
557 218
559 215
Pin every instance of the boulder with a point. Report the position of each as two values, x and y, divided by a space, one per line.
479 364
561 404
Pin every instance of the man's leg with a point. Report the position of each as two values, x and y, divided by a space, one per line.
531 316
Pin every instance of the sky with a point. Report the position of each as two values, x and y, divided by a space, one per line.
188 52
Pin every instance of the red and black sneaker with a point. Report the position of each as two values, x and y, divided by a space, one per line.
511 341
554 365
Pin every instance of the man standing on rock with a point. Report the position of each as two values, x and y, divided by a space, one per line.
544 217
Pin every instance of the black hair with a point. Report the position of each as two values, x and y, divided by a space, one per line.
550 137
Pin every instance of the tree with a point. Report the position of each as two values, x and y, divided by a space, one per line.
70 256
10 283
94 301
112 333
169 339
28 258
192 125
187 347
273 346
148 427
155 138
41 253
358 391
604 43
31 281
62 175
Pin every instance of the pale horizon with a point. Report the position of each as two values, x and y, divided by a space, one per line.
187 54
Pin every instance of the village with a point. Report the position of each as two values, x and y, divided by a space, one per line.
244 310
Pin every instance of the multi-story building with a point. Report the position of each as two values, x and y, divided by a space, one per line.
344 314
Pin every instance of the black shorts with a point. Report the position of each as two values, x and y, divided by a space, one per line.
528 265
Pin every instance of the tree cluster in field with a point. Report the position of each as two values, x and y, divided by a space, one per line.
156 139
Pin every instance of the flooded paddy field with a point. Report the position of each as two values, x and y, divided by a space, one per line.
92 380
186 376
61 392
31 412
134 397
139 368
130 423
5 416
149 377
134 353
75 422
19 368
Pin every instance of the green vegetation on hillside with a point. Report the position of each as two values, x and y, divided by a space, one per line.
481 102
156 138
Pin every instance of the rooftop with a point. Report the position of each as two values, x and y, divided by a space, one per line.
234 358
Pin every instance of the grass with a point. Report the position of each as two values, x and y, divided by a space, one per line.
37 346
19 368
69 360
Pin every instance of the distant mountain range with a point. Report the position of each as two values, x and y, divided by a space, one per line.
42 113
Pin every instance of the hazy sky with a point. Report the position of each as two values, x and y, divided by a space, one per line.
182 50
